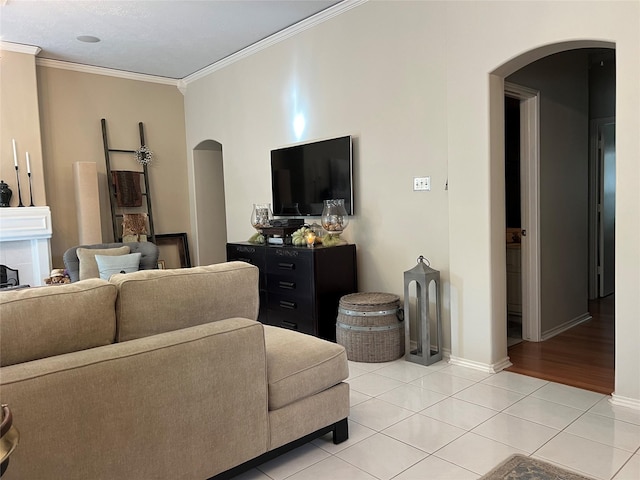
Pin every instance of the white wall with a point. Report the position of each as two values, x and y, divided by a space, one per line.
412 82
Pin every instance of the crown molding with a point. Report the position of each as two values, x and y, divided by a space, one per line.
19 48
183 83
110 72
310 22
182 86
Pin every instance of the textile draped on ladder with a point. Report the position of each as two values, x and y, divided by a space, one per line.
127 188
134 227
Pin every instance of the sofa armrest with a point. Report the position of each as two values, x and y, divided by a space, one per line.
128 410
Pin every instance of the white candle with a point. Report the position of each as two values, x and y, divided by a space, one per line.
15 153
28 164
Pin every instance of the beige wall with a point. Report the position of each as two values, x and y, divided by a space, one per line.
211 228
19 120
413 83
72 104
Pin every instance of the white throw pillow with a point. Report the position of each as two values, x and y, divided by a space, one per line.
88 267
109 264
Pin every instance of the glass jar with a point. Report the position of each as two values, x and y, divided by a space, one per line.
261 215
334 216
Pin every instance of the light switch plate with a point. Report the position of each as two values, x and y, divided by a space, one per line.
421 184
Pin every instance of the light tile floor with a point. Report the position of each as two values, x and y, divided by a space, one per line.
410 422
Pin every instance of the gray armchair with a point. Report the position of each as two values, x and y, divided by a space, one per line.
148 259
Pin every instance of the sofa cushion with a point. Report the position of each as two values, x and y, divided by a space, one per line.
108 264
156 301
120 411
46 321
299 365
87 256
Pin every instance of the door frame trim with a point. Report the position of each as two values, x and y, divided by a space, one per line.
530 206
594 180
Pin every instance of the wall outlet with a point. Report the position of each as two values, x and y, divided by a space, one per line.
421 183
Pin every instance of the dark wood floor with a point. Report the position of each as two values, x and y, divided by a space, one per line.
581 357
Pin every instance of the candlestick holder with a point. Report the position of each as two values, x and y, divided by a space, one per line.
30 190
20 204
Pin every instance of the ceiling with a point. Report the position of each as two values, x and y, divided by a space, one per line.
164 38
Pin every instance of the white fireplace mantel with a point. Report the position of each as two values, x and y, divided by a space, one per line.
24 223
25 234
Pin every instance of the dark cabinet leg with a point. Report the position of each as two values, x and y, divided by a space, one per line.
341 431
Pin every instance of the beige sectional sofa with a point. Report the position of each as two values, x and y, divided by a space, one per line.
160 374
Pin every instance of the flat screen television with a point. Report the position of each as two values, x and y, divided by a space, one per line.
303 176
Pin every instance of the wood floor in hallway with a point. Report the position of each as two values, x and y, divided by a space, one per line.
581 357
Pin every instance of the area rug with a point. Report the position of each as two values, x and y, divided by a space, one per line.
520 467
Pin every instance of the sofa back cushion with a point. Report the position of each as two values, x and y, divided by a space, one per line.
156 301
46 321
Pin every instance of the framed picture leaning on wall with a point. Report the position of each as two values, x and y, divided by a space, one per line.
174 250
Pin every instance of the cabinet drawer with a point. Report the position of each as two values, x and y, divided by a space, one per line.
251 254
246 253
289 284
283 313
289 304
289 262
302 325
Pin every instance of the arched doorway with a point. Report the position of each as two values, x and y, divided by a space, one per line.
209 201
556 257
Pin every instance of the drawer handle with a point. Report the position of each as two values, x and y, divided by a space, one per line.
292 326
287 266
287 285
289 305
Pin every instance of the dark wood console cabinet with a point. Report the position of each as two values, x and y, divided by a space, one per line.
300 287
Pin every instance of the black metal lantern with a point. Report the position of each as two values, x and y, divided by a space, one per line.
425 352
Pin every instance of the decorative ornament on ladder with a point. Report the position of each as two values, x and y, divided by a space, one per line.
143 155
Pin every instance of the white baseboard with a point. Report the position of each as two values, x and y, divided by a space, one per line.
566 326
624 401
446 354
483 367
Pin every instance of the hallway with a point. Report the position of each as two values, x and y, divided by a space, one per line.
583 356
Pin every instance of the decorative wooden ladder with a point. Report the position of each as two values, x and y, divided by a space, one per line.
117 213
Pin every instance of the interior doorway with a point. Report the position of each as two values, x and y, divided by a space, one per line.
522 240
210 210
594 168
513 218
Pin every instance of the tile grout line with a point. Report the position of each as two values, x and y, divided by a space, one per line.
449 396
483 382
